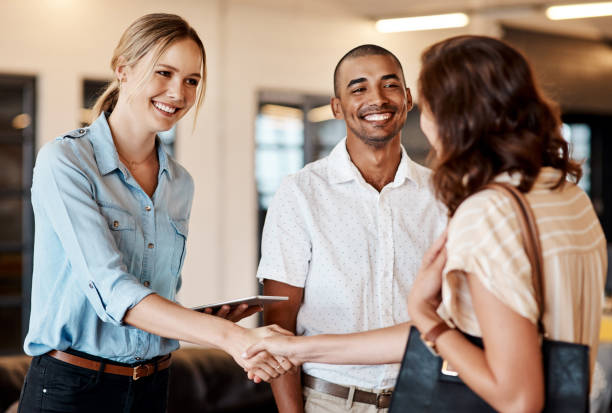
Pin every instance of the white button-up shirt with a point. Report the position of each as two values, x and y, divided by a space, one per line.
354 250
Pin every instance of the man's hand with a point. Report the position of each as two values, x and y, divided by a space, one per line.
235 314
281 347
262 366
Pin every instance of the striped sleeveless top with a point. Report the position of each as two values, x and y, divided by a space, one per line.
484 240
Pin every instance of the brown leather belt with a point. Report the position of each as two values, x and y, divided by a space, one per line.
381 400
136 373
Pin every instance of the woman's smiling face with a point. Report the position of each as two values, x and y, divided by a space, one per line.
169 92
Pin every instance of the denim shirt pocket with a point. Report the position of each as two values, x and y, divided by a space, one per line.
180 238
122 226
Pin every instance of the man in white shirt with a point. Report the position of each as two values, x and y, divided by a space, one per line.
344 236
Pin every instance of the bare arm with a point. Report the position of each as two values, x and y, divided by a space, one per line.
508 374
162 317
288 388
354 348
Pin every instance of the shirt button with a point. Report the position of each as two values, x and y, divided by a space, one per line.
146 283
147 208
115 224
150 246
90 284
137 358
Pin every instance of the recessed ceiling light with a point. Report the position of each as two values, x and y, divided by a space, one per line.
438 21
579 11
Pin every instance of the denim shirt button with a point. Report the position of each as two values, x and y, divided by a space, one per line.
150 246
146 283
91 285
147 208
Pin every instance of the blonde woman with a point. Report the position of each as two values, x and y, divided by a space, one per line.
112 212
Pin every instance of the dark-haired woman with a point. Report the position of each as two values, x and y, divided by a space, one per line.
495 125
488 121
112 211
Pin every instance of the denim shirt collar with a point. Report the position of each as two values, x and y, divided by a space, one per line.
106 154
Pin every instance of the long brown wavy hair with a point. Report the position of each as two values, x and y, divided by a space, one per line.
491 118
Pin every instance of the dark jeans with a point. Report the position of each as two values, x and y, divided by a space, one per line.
52 386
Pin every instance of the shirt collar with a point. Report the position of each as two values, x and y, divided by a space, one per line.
106 153
342 169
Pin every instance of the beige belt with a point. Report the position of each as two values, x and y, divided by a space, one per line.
381 400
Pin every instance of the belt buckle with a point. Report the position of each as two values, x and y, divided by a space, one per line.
140 371
379 398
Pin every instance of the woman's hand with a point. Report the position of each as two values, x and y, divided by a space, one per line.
236 314
262 366
278 345
425 294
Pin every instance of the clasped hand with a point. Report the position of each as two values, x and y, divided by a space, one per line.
262 365
281 346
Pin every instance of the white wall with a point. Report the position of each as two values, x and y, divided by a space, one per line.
251 45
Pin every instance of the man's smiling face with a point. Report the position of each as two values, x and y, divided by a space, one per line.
372 98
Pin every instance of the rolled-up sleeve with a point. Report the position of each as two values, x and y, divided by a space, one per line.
65 195
484 240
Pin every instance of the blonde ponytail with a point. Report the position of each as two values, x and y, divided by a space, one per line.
107 100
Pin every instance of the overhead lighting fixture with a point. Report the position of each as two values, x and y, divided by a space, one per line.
409 24
21 121
579 11
320 114
280 111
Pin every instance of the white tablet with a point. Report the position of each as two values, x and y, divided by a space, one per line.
251 301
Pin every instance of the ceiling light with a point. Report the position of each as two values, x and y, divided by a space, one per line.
280 111
21 121
579 11
438 21
320 114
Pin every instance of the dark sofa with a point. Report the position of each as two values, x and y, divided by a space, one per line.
201 380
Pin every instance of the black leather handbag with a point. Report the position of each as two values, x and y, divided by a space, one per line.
425 384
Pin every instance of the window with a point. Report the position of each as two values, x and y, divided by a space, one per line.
17 103
578 136
291 130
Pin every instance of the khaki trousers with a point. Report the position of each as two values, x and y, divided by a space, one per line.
317 402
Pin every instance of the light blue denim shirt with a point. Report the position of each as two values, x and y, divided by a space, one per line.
101 245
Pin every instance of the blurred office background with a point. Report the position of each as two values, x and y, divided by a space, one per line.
266 113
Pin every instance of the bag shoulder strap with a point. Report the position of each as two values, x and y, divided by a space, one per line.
531 240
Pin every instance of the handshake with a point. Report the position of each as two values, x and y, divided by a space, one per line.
269 352
264 353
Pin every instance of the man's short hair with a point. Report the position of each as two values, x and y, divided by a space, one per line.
364 50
